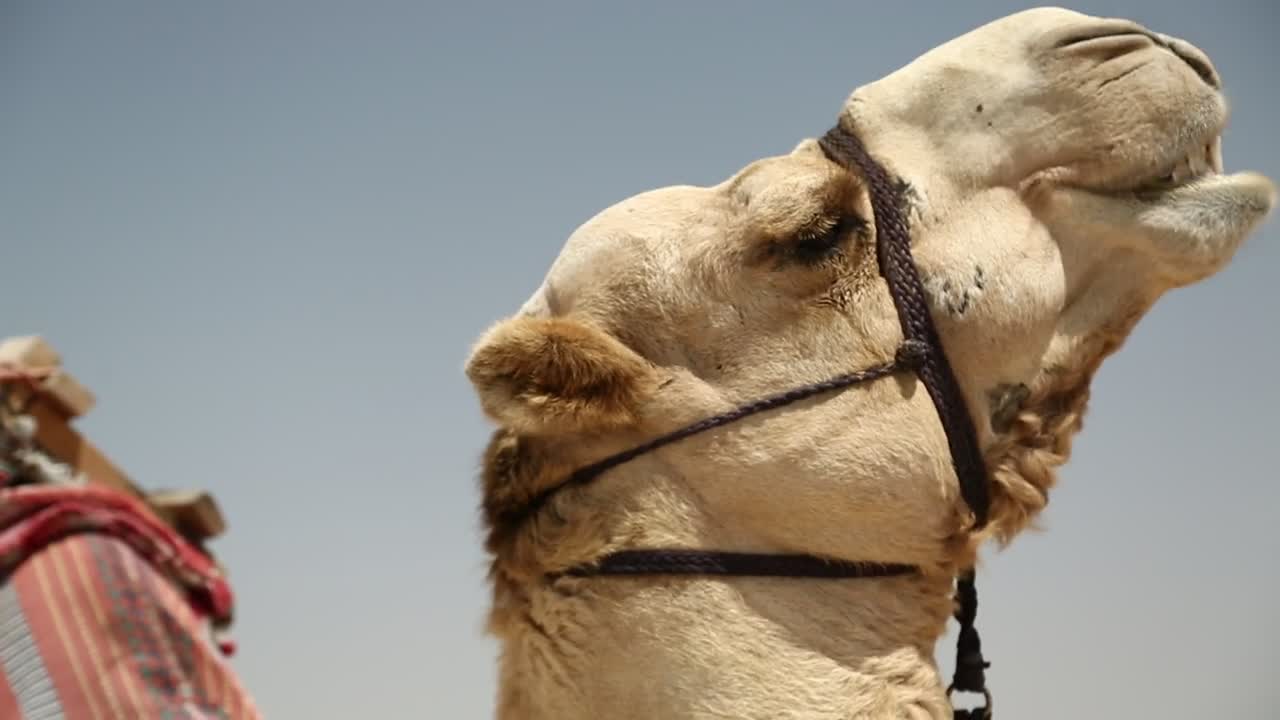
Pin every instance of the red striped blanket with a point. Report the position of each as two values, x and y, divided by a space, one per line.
106 613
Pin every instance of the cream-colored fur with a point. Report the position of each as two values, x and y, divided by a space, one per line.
1020 143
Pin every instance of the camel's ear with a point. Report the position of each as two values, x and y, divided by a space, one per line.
545 375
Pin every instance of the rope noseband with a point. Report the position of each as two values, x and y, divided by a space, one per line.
921 352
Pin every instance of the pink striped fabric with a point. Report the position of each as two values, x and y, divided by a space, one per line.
99 625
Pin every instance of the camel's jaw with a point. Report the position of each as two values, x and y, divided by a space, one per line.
1123 245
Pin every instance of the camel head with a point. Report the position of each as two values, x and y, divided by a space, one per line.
1060 173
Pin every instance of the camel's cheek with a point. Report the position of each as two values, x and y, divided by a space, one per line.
996 289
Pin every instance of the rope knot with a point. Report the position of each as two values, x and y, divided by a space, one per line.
911 353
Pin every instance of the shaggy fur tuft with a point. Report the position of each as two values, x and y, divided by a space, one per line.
1024 461
515 469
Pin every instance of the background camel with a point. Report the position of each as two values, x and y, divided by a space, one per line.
111 604
266 235
1061 174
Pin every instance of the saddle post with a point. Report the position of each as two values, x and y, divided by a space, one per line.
44 400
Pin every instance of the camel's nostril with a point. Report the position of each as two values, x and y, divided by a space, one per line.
1120 37
1125 30
1101 45
1198 62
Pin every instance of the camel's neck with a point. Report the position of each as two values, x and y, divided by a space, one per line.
634 647
651 647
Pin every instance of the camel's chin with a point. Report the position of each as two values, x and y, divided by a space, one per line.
1190 230
1197 227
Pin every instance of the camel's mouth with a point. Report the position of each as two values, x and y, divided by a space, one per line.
1178 170
1204 160
1191 209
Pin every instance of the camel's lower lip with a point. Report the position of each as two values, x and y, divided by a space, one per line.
1250 190
1192 228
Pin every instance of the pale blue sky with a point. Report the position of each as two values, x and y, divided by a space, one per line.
265 233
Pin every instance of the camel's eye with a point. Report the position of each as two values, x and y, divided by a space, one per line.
825 238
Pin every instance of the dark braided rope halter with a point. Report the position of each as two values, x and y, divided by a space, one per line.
921 352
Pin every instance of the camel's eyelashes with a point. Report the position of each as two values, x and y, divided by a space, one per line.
821 241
